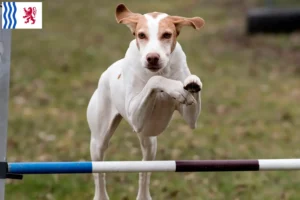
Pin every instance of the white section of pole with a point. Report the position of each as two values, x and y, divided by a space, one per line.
134 166
278 164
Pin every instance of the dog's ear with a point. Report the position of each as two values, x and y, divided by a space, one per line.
125 16
179 22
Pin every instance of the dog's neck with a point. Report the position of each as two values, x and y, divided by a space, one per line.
173 68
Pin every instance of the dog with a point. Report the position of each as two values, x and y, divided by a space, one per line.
145 88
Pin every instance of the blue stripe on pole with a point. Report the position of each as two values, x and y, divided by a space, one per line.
50 167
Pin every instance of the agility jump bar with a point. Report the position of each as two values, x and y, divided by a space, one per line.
151 166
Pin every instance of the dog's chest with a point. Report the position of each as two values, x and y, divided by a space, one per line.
163 108
158 120
164 101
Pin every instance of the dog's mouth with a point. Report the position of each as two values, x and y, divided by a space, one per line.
153 68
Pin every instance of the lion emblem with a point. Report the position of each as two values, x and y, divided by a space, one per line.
30 14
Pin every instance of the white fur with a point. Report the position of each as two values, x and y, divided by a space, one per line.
146 100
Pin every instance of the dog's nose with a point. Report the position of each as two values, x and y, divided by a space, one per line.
153 58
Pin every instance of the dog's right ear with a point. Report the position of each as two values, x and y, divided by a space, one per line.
125 16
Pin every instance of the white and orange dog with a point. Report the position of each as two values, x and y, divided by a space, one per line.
145 87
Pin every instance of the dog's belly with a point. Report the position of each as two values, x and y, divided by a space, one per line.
160 117
116 87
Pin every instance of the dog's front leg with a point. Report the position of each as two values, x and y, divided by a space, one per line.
191 113
139 105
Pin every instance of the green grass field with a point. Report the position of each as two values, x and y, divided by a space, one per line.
250 101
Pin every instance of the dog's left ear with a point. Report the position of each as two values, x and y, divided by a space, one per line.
125 16
179 22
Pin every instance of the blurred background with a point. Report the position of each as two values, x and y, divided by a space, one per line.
250 101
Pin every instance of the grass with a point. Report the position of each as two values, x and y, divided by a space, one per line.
250 102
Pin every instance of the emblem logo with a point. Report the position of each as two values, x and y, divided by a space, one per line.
30 14
22 15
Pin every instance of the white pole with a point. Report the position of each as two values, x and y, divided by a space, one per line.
278 164
134 166
5 42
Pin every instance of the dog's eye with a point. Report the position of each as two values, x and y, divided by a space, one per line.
142 35
166 35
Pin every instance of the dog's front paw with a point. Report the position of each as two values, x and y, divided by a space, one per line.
177 92
192 84
183 97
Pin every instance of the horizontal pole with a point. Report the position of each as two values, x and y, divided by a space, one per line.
153 166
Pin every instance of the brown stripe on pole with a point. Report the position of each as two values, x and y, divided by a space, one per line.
216 165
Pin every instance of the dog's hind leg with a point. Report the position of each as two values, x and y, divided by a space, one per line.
103 120
148 146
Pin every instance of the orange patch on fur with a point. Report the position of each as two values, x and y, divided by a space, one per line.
142 24
166 24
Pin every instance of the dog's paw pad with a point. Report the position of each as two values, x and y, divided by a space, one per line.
192 87
192 84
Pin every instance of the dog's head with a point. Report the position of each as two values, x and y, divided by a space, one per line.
155 34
